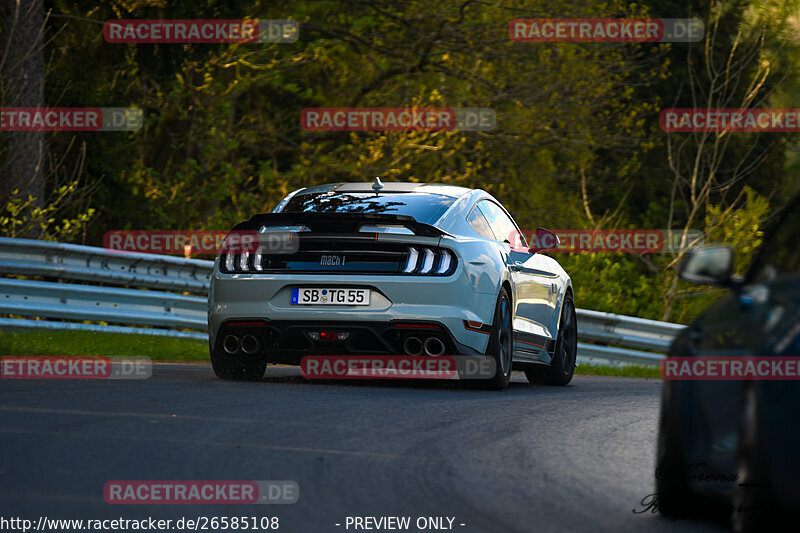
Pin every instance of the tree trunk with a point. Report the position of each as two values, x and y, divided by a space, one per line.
22 85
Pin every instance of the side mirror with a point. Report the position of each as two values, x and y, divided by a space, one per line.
708 265
544 240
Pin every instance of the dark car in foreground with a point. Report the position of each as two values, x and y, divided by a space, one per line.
736 442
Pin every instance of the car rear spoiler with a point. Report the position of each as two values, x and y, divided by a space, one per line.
339 223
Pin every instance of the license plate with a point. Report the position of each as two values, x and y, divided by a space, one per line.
330 296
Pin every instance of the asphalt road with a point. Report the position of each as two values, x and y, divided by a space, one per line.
529 459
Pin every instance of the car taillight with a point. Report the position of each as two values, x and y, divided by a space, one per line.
411 262
429 261
444 262
241 262
257 258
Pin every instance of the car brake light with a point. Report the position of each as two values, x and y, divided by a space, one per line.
328 335
384 228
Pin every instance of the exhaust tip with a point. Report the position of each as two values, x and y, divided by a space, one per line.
250 344
434 346
412 346
230 344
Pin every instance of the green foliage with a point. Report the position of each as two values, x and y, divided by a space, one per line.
614 283
21 217
638 285
223 139
577 144
739 228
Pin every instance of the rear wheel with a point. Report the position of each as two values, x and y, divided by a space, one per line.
239 367
562 367
500 343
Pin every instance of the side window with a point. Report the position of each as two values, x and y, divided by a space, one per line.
479 224
780 254
502 226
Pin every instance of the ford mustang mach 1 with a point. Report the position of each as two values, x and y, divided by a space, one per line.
391 268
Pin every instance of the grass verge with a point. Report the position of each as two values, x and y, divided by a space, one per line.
633 371
95 343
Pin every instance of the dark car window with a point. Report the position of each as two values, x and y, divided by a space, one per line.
425 208
780 254
479 223
503 227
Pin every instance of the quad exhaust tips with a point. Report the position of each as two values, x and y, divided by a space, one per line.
434 346
248 344
230 344
413 346
430 346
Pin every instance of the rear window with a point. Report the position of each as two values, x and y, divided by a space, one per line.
426 208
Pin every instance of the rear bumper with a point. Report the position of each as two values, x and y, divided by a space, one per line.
287 342
446 302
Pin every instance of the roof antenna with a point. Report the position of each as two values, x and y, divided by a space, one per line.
378 185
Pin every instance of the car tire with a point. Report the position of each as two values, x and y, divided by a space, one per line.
754 506
501 344
675 497
562 367
237 367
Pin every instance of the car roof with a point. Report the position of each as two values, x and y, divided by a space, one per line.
392 187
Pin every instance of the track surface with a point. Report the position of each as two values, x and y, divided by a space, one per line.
529 459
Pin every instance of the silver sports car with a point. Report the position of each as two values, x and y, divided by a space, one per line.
397 269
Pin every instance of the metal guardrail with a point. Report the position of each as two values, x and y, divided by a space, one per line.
631 332
613 331
20 323
621 339
99 265
106 305
99 304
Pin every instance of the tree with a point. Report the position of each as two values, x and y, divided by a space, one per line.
22 83
710 169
